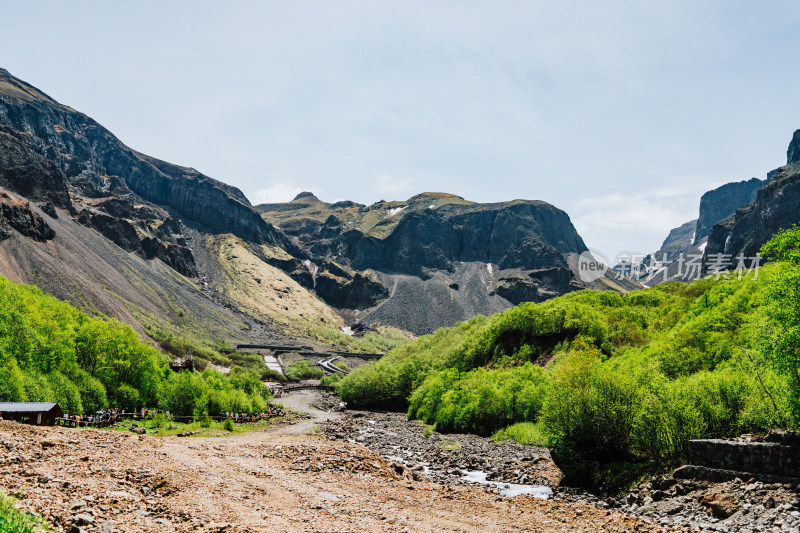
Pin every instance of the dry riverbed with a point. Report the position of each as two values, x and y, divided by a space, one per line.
334 472
95 480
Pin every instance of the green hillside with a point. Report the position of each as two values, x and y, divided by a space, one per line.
604 378
50 351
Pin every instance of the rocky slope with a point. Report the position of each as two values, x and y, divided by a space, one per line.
172 251
735 219
722 202
776 207
432 260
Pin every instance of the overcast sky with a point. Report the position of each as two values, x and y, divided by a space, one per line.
620 113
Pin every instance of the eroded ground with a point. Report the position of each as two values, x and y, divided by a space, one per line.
112 481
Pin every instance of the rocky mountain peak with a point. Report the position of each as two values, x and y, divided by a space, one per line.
793 153
16 88
306 196
723 201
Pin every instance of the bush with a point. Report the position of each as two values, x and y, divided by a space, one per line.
184 394
524 433
704 405
589 414
333 379
228 426
480 401
303 370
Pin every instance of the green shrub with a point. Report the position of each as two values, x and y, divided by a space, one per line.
228 425
303 370
589 414
524 433
333 379
480 401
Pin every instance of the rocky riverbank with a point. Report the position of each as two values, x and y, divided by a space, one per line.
444 458
89 480
740 505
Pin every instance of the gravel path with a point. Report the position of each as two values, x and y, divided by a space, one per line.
87 480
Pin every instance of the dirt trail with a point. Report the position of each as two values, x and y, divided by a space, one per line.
256 482
302 401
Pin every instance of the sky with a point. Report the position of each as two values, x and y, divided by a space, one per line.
621 113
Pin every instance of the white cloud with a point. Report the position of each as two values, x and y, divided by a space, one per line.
634 222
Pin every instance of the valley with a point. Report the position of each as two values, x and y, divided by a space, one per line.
473 352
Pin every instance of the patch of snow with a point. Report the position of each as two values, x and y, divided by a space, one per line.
431 206
509 490
490 268
311 267
693 236
394 211
702 247
347 330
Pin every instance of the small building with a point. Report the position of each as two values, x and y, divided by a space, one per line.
34 413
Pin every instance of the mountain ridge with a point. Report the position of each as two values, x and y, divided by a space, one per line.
207 261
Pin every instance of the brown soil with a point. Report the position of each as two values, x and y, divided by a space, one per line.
254 482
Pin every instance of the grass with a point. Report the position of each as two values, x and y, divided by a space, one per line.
524 433
13 520
160 426
449 444
384 340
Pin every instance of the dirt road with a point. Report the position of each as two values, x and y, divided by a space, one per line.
109 481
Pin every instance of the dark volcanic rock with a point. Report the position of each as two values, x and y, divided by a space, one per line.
343 289
777 206
117 230
723 201
25 172
519 234
179 258
18 215
793 152
679 240
97 164
537 285
49 209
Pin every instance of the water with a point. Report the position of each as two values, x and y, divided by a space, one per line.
509 490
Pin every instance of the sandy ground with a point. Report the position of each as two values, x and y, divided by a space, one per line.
270 481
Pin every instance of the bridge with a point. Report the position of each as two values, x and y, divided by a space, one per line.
307 351
308 386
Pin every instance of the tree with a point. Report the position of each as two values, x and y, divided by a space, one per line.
780 338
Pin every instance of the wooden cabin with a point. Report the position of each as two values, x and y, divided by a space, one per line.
34 413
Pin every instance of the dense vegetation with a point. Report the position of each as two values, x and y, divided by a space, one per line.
604 378
50 351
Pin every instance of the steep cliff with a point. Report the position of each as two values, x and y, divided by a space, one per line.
431 260
776 207
722 202
96 164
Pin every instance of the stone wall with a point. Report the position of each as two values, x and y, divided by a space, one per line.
764 458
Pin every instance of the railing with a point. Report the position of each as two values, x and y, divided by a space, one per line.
74 423
302 386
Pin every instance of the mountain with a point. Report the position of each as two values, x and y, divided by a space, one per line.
433 259
722 202
734 219
164 248
187 260
776 207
